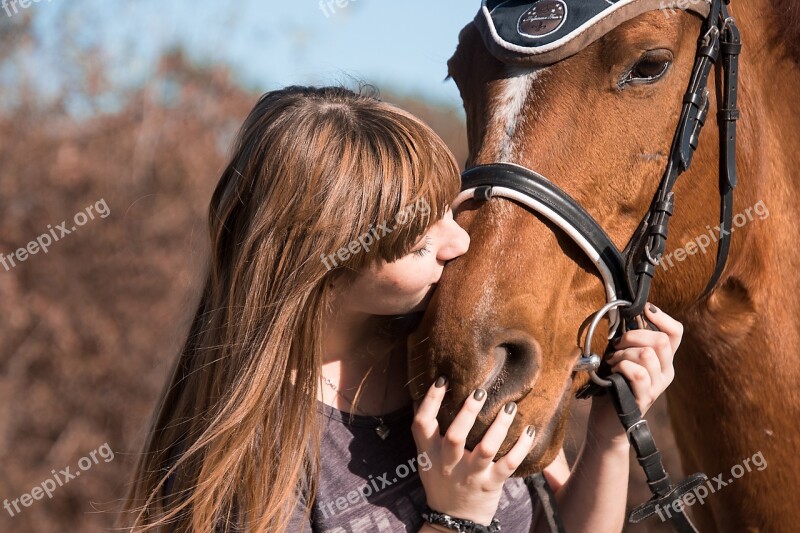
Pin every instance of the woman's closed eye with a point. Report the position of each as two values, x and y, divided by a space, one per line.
424 250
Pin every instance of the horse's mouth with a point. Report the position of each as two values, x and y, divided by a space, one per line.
543 439
544 436
498 397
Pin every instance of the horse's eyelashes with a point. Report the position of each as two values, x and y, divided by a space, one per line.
649 68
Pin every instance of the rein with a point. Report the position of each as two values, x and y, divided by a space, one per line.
627 275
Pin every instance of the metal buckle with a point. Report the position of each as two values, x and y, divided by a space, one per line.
587 364
708 36
727 22
653 261
483 192
634 426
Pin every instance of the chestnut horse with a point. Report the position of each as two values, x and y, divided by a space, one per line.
505 315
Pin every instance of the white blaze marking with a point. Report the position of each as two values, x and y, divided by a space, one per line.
510 104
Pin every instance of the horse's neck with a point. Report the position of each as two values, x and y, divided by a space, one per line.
769 132
770 81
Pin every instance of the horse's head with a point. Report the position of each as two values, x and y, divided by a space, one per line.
506 315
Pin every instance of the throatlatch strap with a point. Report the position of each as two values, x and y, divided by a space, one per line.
727 115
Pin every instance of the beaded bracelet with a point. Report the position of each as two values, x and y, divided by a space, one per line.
462 525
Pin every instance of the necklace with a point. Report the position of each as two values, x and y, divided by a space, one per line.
382 430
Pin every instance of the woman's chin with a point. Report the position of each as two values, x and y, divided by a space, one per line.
426 298
410 305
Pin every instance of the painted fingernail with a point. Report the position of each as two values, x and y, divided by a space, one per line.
530 431
509 408
653 308
479 394
441 382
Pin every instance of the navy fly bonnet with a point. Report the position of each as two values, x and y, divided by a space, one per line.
546 31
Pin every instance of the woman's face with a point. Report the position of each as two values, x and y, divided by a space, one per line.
405 285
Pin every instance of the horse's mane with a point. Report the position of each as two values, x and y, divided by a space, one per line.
786 17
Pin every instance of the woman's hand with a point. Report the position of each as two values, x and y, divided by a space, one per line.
462 483
645 358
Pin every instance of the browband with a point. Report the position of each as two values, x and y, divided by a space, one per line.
543 32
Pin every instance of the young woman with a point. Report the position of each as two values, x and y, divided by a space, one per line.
287 409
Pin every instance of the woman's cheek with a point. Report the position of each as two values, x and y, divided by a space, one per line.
420 277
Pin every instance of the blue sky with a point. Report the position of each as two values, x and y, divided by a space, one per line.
400 45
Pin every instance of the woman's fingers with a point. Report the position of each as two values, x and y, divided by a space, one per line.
645 357
505 466
489 445
639 378
665 323
661 374
425 426
456 436
658 341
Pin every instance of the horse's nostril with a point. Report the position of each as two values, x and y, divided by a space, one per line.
497 377
516 361
513 352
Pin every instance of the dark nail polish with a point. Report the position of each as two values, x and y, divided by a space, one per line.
653 308
441 382
530 431
479 394
509 408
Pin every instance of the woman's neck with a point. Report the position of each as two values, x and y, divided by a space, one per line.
355 349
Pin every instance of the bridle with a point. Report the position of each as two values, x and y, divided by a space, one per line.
627 275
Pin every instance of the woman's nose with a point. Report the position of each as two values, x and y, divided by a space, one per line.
457 245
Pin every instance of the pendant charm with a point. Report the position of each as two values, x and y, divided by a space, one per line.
382 431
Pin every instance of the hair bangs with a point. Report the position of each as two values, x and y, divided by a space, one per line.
417 178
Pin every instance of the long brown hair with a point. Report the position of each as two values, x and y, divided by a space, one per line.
312 170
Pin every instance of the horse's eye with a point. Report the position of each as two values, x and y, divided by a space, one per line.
649 68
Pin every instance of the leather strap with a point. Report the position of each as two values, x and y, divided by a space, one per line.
536 186
727 115
538 483
649 457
